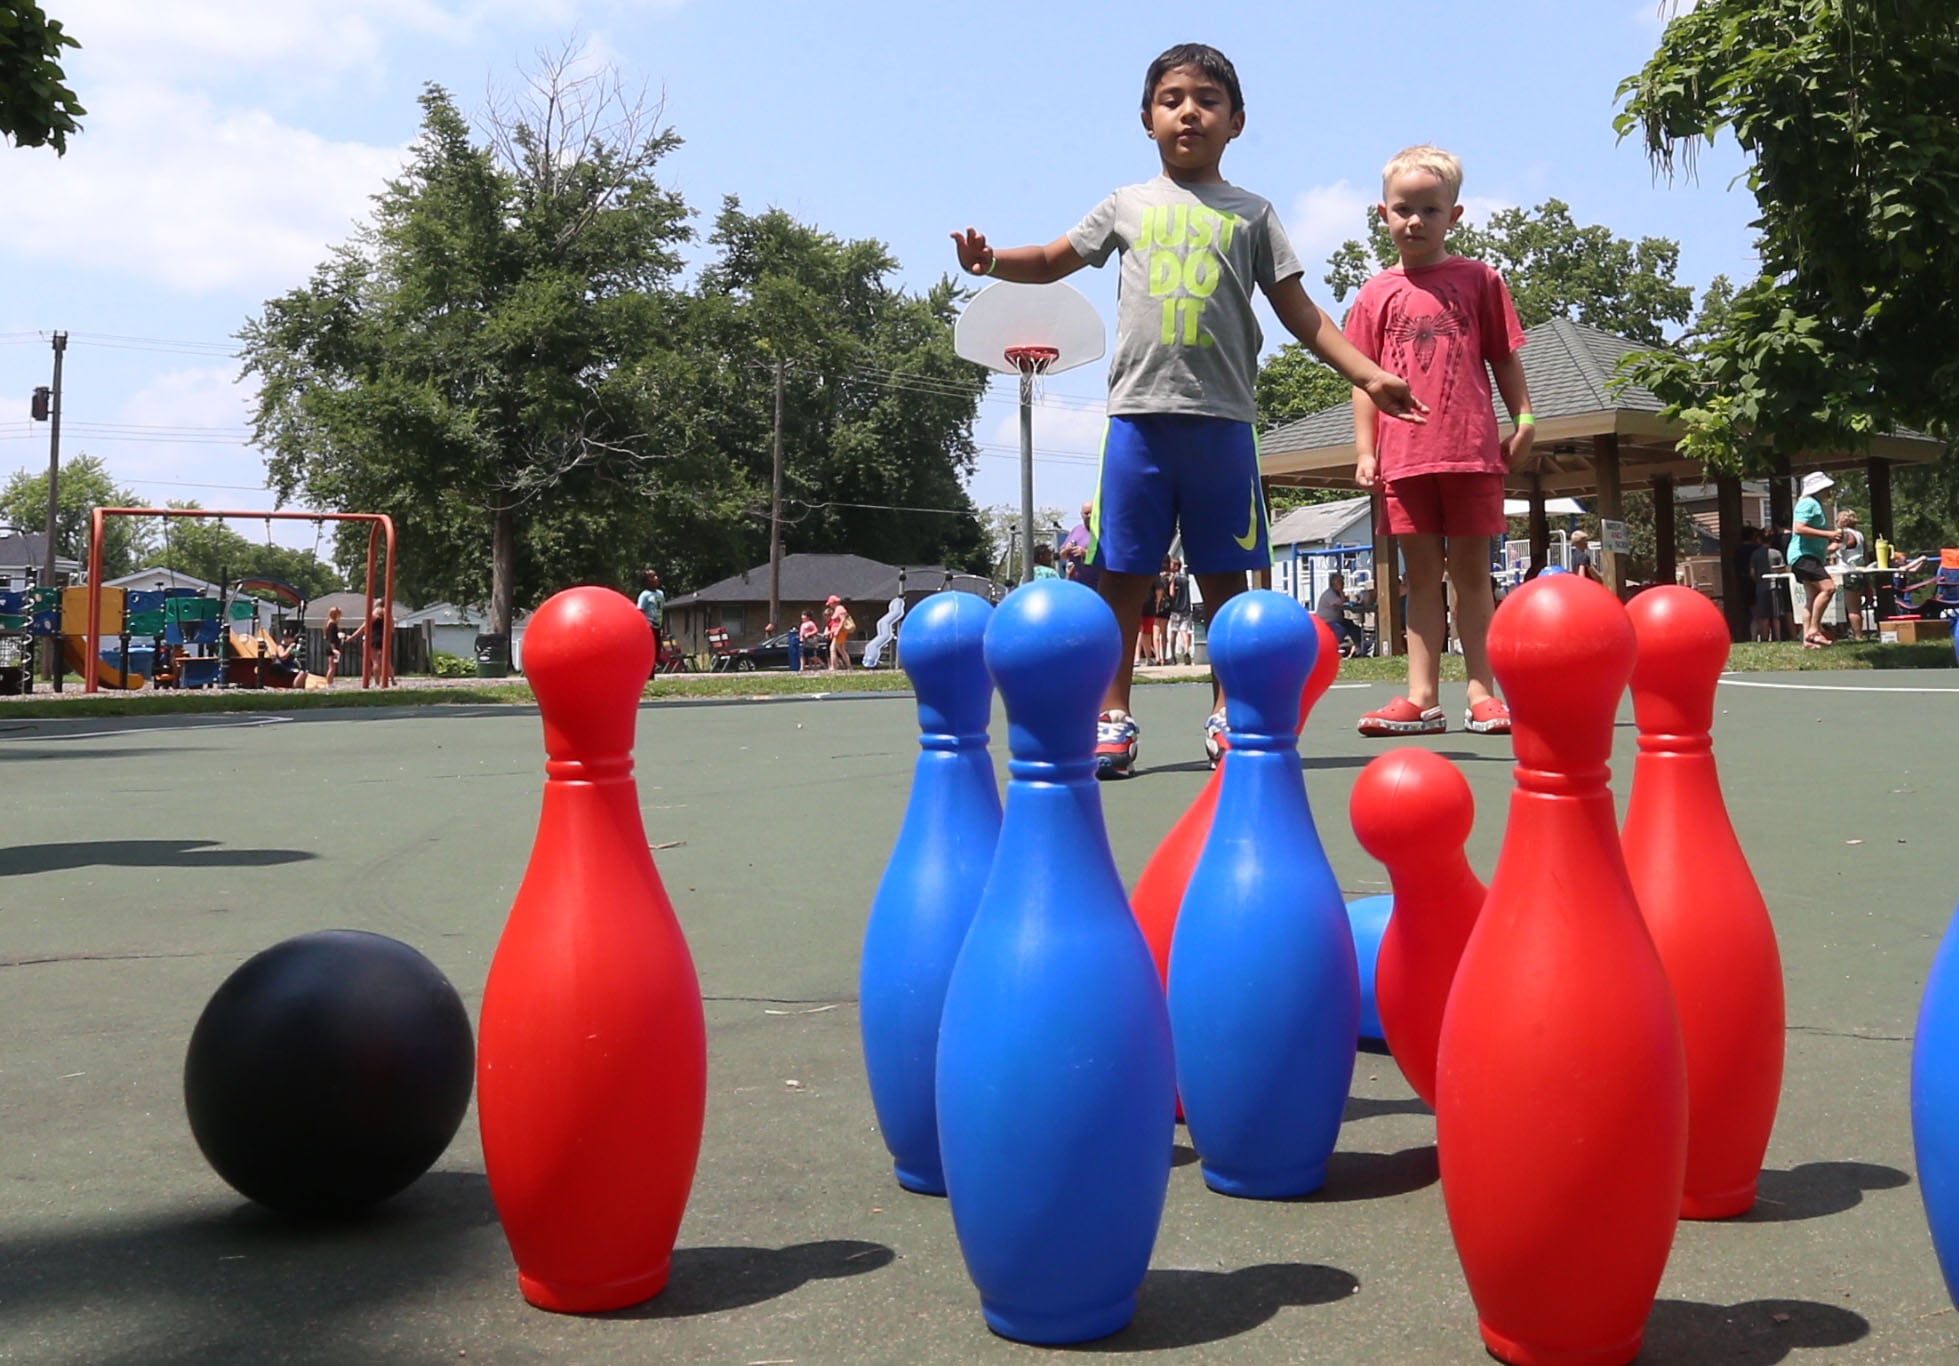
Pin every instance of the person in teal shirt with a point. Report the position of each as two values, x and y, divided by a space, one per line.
652 604
1810 539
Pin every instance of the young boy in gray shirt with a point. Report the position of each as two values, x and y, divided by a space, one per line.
1180 450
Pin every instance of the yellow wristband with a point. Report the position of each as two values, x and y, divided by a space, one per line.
993 265
1526 419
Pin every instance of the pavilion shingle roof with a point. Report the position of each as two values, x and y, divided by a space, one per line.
1567 365
812 578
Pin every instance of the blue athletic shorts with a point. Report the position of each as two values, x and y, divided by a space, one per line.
1163 472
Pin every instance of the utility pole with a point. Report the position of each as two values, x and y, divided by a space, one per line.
775 512
54 476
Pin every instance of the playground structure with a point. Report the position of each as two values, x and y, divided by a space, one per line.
253 649
247 637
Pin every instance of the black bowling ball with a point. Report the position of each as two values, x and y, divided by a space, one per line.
328 1072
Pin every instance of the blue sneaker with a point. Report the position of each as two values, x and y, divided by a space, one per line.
1115 744
1215 743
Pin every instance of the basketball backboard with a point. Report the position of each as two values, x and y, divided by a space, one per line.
1006 315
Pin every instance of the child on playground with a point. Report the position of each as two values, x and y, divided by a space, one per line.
1438 319
1179 449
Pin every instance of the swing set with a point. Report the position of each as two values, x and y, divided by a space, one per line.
377 670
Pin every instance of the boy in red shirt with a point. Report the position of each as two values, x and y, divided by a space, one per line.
1437 319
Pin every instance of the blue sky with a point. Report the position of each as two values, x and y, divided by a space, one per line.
231 143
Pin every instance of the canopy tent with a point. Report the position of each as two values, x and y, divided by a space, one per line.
1555 507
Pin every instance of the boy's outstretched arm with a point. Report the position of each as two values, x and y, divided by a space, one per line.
1022 265
1305 320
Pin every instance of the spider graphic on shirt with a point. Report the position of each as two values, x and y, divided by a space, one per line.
1419 336
1424 333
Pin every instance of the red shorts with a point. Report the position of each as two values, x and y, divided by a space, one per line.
1443 505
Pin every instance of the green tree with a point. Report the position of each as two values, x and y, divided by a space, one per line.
83 486
877 408
212 549
1849 117
37 109
484 361
1000 524
1292 383
1554 269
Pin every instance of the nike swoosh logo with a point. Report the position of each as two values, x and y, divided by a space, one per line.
1250 538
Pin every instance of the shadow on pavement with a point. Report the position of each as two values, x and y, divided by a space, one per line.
49 858
1376 1176
242 1284
1816 1190
1187 1308
708 1280
1761 1332
1366 1107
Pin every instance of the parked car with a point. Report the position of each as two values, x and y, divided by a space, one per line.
773 653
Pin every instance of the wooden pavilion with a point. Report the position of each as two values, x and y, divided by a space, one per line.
1591 442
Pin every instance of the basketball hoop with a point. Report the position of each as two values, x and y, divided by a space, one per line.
1032 360
1031 331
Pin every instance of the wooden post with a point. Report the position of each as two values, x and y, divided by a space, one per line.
1727 505
1782 502
1878 472
1540 525
1611 506
1388 626
1666 564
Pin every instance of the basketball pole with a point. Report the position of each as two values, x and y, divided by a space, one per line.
1026 472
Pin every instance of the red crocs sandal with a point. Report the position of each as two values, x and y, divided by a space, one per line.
1488 717
1402 717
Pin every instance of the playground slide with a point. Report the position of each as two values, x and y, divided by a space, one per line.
248 650
887 627
107 675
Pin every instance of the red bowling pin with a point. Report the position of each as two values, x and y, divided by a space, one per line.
1561 1088
1412 810
1160 890
591 1079
1701 903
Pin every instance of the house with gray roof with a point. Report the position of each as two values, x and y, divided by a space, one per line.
24 555
740 602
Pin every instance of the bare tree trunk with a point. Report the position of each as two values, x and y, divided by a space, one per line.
503 569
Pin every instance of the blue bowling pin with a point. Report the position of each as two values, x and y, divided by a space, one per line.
1056 1093
1368 919
1935 1105
932 883
1264 989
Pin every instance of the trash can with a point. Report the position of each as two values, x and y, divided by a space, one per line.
493 656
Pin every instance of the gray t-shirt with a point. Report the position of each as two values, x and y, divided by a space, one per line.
1187 340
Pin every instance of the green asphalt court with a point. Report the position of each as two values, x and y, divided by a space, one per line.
143 860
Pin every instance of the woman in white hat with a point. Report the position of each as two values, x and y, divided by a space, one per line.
1810 539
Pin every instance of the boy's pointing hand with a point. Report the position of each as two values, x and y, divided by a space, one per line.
1391 395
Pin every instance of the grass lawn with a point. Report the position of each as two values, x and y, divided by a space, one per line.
424 692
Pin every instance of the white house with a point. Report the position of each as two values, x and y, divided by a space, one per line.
1311 542
452 630
159 577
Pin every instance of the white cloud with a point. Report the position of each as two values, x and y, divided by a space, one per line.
1067 452
171 188
202 396
1477 208
1322 218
